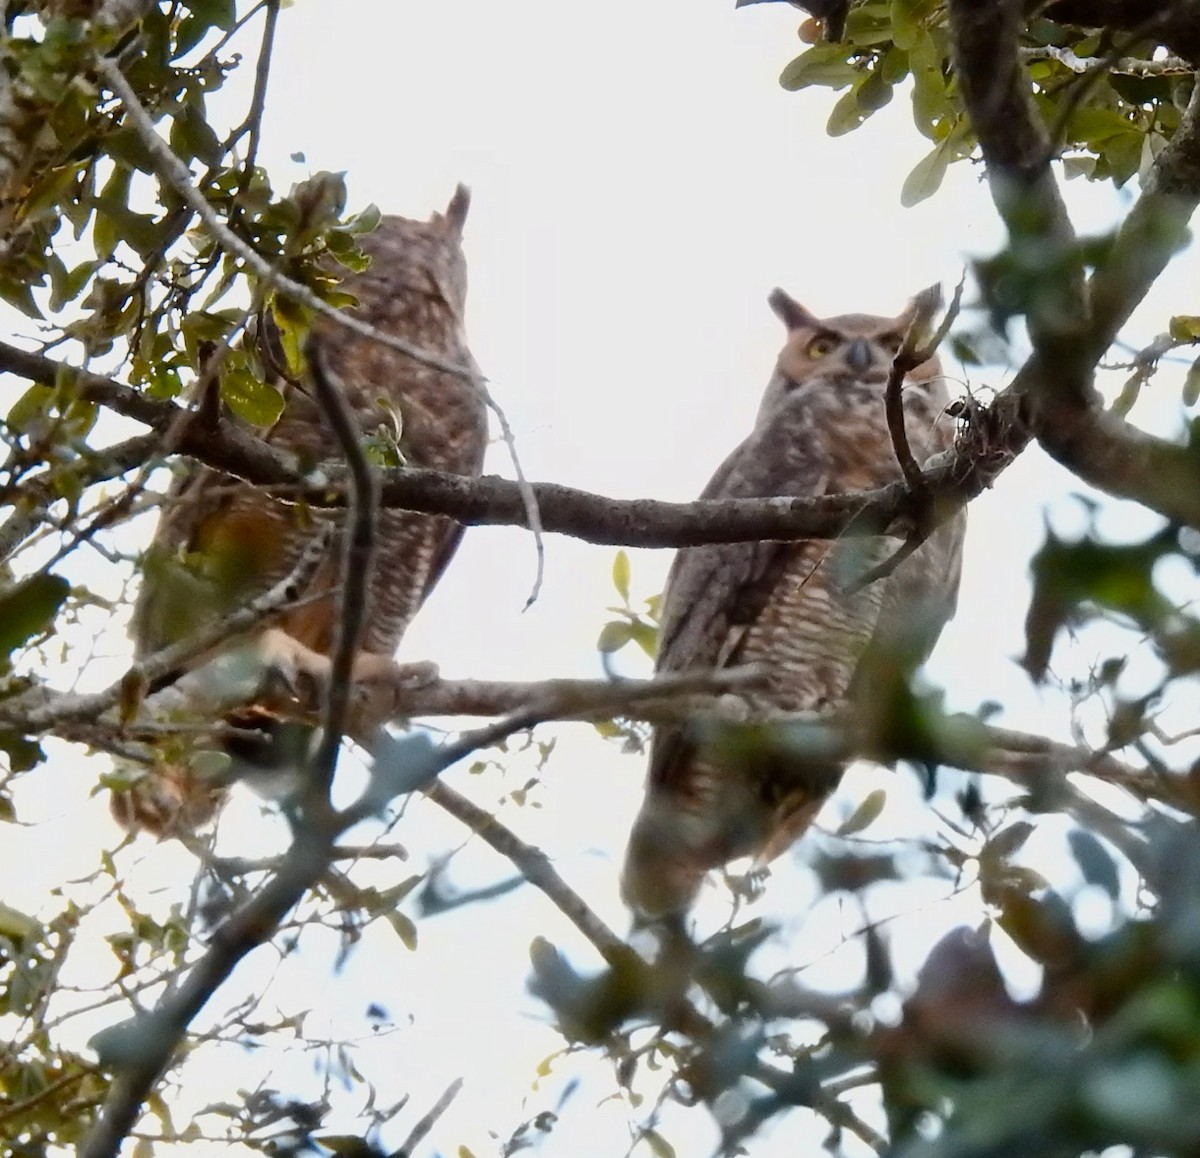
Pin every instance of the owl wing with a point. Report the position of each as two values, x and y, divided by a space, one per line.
715 591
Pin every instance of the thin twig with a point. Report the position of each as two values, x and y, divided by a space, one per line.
165 665
913 351
534 865
37 494
421 1130
142 1049
258 100
358 558
882 570
1114 62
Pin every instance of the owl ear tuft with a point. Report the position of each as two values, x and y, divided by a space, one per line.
456 212
789 311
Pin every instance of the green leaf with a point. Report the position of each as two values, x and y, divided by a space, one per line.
249 397
364 221
20 295
192 136
930 101
926 177
15 925
865 814
1185 328
659 1146
620 574
404 929
614 636
68 284
28 609
1097 866
1009 840
823 64
906 22
23 755
29 411
218 13
869 24
645 635
846 115
1191 384
347 1146
293 322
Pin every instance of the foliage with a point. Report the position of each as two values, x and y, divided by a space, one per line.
950 1058
1110 103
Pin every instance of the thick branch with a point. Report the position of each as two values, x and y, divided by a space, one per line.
1175 24
996 93
1073 325
952 480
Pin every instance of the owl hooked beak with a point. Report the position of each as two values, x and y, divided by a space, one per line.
859 355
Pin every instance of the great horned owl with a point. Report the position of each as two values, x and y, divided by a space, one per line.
220 542
791 607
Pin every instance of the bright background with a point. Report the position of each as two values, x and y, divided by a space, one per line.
640 183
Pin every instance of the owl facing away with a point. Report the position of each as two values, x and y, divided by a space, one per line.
792 607
221 542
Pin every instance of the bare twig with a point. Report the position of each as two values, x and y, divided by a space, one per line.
44 709
535 867
883 569
38 493
1122 65
421 1130
141 1050
258 100
358 552
914 350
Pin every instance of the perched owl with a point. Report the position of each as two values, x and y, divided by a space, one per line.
791 607
220 542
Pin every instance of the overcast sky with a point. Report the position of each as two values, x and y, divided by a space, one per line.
640 183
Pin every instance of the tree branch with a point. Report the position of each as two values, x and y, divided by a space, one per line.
987 446
358 559
1072 325
996 94
141 1049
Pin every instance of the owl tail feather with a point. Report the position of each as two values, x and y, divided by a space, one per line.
662 875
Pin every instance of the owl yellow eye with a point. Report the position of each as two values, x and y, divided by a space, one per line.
821 345
892 342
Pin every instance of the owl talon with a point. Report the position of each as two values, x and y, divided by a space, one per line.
751 885
419 674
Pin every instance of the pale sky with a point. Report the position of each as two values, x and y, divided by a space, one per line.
640 182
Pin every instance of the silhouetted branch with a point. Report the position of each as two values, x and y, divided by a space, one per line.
951 480
358 551
421 1130
680 1014
1071 325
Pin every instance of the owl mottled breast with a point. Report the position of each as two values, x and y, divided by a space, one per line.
792 607
220 542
